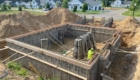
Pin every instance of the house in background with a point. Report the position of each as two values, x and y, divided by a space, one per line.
94 5
36 3
77 3
120 3
40 3
53 3
17 3
9 3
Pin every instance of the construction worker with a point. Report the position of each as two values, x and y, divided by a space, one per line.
90 53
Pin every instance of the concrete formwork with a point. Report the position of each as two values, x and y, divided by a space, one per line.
50 64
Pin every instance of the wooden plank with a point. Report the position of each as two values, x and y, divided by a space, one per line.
3 49
21 57
10 56
52 65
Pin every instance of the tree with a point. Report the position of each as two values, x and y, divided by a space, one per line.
103 3
31 5
57 5
47 5
3 7
9 7
137 2
107 3
65 4
84 7
19 8
75 9
24 7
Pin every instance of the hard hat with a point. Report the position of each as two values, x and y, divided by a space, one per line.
92 49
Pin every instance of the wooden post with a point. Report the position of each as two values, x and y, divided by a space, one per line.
86 47
80 49
103 20
83 46
93 19
61 36
75 53
44 43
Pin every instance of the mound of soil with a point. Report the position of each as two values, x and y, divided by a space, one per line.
23 22
131 31
128 25
61 15
126 65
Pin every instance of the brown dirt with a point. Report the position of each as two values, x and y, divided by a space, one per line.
96 23
15 24
23 22
13 76
127 68
131 31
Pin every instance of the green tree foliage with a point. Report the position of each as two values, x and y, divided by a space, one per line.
75 9
3 7
19 8
9 7
31 5
65 4
24 7
47 5
57 5
137 2
84 7
107 3
103 3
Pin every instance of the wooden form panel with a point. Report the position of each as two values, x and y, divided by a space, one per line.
60 63
87 71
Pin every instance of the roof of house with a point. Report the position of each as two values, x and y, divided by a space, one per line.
82 1
124 2
93 3
41 1
7 2
56 0
18 2
127 2
38 1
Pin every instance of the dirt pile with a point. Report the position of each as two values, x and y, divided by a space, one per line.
61 15
95 23
126 65
131 31
15 24
128 25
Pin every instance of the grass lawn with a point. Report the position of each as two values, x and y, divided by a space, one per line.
92 12
16 11
130 13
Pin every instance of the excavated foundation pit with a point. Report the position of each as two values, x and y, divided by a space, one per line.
61 51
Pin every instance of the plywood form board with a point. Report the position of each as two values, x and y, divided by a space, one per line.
65 66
